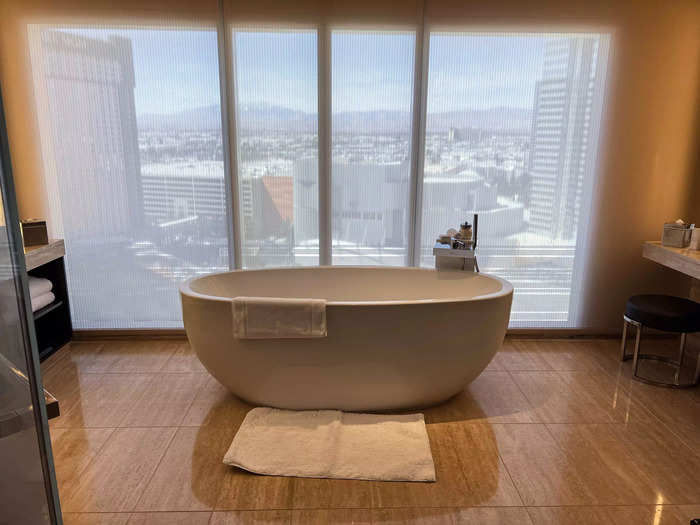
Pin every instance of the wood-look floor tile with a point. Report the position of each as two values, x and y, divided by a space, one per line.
191 474
572 355
679 410
184 359
468 469
135 356
685 512
169 518
115 479
104 400
541 470
415 516
521 354
95 518
331 493
57 358
643 462
87 356
579 397
494 366
452 516
165 400
332 517
606 462
60 380
252 517
491 397
243 490
671 467
117 356
63 381
627 515
553 354
73 449
215 405
493 516
627 460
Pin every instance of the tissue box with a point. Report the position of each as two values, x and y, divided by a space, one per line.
34 232
676 235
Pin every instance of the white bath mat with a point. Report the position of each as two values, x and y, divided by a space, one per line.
333 444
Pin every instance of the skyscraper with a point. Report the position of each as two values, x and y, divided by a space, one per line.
88 88
560 135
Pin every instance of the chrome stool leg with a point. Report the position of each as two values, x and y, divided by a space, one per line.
637 343
638 356
623 345
677 377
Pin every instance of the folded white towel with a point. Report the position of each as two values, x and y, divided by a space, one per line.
278 318
39 286
42 300
333 444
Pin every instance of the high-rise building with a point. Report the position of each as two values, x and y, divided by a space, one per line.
560 136
89 91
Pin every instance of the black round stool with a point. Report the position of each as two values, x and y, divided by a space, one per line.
666 313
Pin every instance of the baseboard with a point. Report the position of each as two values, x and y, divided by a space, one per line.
561 333
514 333
144 334
580 333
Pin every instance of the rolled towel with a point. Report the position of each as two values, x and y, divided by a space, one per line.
39 286
278 318
42 300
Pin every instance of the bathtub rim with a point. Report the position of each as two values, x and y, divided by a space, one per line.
506 287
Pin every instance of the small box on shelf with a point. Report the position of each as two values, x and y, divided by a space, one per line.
677 234
34 232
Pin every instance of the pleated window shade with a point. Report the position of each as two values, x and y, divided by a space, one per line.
172 144
511 134
372 98
131 134
277 145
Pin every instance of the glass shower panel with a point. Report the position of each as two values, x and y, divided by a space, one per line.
25 494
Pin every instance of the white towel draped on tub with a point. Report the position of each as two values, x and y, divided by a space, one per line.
278 318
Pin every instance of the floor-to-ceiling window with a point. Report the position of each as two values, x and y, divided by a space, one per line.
372 99
277 145
131 137
511 134
362 144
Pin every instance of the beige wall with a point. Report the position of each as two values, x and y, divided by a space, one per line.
649 160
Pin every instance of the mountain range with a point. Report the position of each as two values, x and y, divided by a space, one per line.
266 117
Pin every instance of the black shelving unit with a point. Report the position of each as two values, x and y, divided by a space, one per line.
52 323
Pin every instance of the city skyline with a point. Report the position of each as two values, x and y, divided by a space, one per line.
158 201
471 71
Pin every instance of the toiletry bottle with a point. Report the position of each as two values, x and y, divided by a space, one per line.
466 231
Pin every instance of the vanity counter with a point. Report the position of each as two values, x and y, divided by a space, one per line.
683 260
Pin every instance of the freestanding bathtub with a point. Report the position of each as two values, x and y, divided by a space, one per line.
397 337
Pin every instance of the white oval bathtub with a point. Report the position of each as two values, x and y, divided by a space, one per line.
397 337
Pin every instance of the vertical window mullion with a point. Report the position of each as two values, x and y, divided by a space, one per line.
418 114
324 145
228 140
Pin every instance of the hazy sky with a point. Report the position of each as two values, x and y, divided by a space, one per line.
178 70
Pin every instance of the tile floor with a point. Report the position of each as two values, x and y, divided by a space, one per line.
553 432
